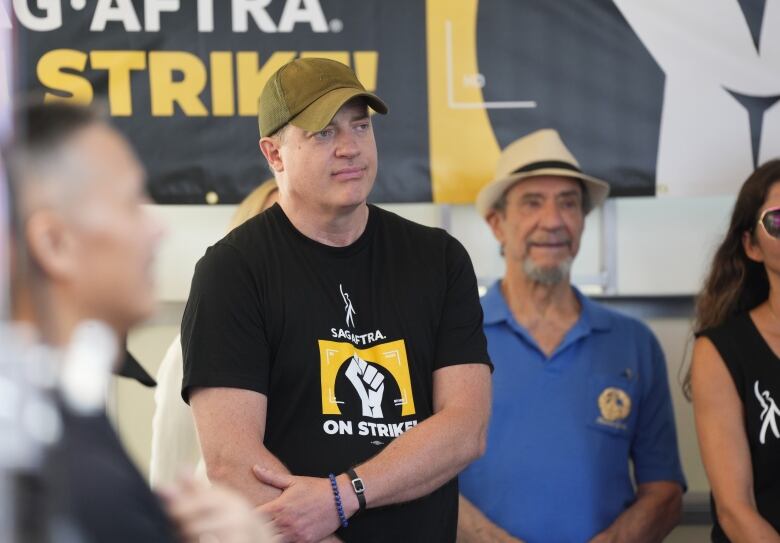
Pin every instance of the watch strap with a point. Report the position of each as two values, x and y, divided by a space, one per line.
359 487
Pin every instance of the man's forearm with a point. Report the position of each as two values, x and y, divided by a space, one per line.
475 527
231 428
654 514
743 524
436 450
423 459
236 472
413 465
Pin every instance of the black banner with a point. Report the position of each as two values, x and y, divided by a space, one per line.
662 97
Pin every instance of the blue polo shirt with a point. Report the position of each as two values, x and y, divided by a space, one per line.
563 428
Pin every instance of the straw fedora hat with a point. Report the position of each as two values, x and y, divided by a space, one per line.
539 153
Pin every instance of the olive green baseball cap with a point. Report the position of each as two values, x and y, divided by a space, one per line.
308 92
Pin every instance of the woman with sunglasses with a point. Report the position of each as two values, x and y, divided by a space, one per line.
734 379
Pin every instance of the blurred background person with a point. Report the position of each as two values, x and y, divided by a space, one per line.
734 379
174 439
84 277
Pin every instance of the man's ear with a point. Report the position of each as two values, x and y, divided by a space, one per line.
51 244
752 250
270 147
496 223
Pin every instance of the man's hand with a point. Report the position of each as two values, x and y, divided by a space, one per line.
305 512
652 516
213 513
475 527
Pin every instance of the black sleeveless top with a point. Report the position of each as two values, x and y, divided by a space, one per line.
756 373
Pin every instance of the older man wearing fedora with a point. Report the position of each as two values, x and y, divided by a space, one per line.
579 390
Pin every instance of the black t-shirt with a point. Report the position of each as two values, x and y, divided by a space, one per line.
756 373
97 486
343 341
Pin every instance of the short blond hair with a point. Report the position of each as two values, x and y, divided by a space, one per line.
253 204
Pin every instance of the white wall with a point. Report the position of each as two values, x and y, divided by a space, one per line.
664 245
657 246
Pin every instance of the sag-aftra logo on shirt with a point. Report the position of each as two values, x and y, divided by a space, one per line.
769 412
369 389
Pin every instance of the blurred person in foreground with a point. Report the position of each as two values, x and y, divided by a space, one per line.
734 380
580 391
85 256
175 444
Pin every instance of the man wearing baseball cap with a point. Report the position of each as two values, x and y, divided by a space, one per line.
334 355
580 390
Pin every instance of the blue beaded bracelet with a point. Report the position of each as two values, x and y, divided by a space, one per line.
337 497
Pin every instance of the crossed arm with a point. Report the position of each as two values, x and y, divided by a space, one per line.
724 447
231 426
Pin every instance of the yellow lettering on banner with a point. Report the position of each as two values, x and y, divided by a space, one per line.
463 147
51 74
119 65
365 65
251 80
179 77
222 87
166 92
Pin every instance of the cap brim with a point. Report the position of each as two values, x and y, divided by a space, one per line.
598 190
320 112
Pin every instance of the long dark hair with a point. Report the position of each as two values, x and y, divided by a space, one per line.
736 284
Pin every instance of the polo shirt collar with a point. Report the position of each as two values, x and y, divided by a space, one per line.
592 317
494 307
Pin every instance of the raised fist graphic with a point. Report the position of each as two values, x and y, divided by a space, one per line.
369 384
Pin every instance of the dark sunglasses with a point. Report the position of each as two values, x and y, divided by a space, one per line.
770 220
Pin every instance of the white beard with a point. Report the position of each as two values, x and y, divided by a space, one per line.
547 275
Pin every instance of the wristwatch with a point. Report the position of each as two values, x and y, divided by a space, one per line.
358 487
